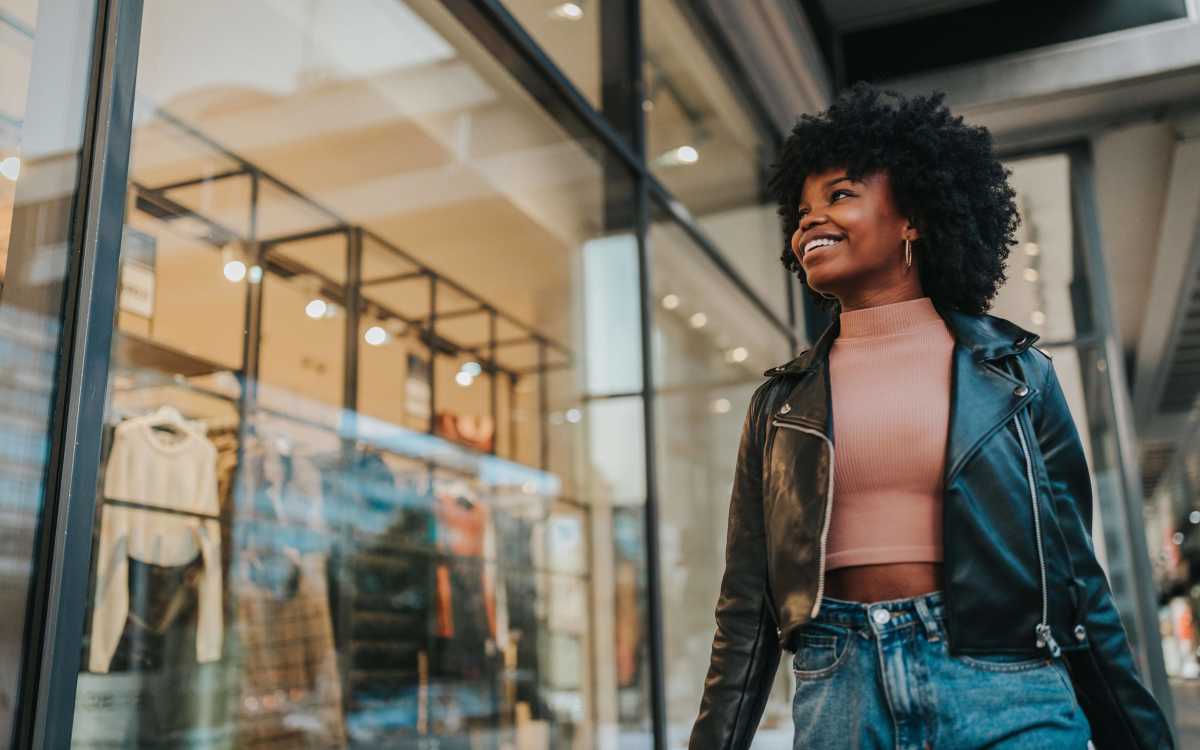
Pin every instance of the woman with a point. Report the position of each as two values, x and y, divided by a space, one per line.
935 584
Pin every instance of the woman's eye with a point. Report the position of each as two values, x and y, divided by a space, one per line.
836 193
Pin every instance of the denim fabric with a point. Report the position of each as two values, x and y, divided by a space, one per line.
879 675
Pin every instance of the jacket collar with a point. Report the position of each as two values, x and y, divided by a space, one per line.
983 395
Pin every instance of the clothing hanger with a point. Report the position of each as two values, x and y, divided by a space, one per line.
167 418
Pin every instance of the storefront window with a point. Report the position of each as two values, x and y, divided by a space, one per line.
365 424
704 146
711 347
45 54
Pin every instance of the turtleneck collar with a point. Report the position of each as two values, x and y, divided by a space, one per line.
887 320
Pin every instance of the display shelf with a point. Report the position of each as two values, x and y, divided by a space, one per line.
131 351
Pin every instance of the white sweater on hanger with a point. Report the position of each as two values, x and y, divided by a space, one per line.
176 473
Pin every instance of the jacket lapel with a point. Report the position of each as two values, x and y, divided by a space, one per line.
809 402
983 395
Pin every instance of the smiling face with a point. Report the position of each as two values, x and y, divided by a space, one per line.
850 240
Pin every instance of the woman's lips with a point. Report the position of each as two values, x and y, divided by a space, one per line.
818 249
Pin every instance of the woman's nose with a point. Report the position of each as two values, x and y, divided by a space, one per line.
809 221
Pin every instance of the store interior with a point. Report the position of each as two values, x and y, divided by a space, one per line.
348 296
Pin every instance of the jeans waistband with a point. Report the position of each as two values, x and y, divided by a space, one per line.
927 609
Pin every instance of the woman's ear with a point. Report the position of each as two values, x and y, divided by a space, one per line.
911 232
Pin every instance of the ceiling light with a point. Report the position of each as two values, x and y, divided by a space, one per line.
1194 516
721 406
1031 274
670 302
675 157
235 271
698 320
11 168
1031 248
463 378
376 336
574 415
472 368
1038 317
316 309
255 274
567 12
738 354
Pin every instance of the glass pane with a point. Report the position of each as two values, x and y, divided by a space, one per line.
1042 279
711 347
363 423
569 33
703 145
45 56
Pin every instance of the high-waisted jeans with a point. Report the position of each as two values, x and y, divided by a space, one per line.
878 675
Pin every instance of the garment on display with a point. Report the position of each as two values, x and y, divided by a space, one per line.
157 630
154 475
290 693
476 432
290 688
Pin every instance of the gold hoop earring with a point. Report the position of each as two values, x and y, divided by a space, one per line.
908 253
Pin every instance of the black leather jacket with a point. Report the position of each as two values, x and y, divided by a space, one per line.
1017 520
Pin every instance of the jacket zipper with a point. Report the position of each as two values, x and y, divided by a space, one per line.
828 509
1045 639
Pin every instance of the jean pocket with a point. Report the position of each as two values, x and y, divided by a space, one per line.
1003 662
820 650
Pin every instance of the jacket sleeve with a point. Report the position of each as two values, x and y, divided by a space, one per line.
1071 486
745 651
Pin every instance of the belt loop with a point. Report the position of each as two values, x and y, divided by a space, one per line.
931 627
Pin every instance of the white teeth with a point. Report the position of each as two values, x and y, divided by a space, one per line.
820 243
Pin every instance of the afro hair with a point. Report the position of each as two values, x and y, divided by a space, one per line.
945 179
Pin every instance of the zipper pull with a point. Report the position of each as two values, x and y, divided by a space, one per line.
1045 637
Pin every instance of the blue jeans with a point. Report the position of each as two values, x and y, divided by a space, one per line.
878 675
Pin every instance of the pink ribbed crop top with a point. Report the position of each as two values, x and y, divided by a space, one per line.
889 372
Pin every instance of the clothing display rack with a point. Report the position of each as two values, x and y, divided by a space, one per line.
159 509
